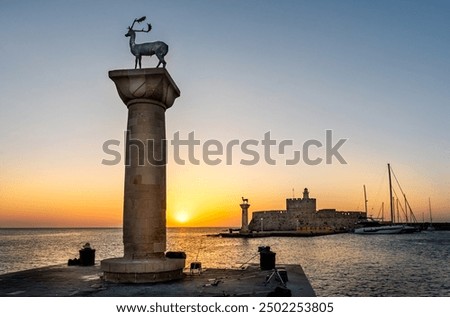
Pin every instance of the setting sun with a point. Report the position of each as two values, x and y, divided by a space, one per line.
181 216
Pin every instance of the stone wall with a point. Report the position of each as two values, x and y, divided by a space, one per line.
273 220
282 220
301 204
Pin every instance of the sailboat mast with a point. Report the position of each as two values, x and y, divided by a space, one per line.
390 193
365 199
429 207
406 208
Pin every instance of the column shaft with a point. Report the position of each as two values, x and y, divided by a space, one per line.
144 212
244 227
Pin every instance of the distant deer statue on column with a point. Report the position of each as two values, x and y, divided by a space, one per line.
158 48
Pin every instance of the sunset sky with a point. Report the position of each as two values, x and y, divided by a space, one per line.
373 72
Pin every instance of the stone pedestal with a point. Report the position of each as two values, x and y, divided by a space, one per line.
244 227
147 93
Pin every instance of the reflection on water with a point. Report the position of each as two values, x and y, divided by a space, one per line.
337 265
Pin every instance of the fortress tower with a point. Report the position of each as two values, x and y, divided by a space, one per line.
306 193
304 204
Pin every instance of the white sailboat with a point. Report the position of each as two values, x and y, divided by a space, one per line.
385 229
389 229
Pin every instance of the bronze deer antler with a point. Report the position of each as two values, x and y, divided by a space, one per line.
142 19
149 28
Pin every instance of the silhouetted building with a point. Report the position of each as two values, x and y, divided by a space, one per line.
301 215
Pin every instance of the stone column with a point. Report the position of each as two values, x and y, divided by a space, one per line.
147 93
244 227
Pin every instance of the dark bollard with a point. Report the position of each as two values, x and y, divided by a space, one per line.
87 255
266 259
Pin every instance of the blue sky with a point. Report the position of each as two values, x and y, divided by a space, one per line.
374 72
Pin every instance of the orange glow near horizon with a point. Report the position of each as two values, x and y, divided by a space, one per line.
196 196
101 210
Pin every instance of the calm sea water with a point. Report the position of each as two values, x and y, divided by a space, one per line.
336 265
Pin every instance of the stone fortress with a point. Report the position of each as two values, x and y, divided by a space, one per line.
301 216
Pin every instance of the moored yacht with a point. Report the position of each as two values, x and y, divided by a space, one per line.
376 227
390 229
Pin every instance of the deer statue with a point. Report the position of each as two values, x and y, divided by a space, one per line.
158 48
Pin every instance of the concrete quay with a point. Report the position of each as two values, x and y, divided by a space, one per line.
88 281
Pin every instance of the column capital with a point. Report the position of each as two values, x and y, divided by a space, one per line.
150 84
